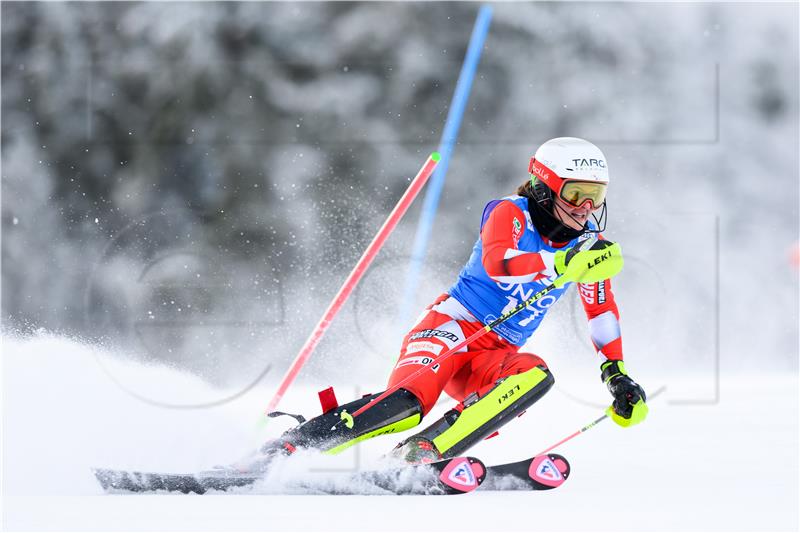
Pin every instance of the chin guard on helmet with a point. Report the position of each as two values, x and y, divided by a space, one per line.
599 220
542 207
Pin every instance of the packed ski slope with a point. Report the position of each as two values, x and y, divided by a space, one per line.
726 466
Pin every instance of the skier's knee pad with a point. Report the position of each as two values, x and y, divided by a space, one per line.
481 416
397 412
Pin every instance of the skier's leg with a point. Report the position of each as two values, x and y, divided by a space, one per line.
397 412
501 385
401 410
437 332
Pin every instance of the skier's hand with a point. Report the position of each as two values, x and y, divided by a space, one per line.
589 261
629 407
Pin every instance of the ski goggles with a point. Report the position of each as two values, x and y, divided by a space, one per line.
573 192
578 193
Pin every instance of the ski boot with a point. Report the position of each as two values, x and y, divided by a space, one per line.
335 430
416 450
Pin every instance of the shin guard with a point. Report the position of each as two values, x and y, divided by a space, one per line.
458 430
397 412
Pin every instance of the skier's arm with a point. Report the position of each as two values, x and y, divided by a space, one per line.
629 405
502 259
603 314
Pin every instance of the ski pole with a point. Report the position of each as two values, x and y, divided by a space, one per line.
355 276
446 355
589 426
585 428
612 258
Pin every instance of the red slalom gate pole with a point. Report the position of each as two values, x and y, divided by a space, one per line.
355 276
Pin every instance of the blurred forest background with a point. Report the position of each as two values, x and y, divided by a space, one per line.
191 182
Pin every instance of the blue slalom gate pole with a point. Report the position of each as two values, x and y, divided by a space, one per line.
446 144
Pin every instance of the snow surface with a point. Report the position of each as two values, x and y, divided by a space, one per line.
731 465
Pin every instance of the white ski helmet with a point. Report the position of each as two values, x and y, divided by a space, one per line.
574 169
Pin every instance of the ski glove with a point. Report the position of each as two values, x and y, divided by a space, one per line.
629 407
589 261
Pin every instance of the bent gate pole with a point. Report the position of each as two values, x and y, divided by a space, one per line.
355 276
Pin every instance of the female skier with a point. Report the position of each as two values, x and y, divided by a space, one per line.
526 241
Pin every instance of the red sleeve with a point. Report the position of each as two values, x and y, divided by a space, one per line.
597 298
603 314
502 259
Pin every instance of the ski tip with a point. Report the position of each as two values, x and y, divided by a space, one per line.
549 471
435 156
463 474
